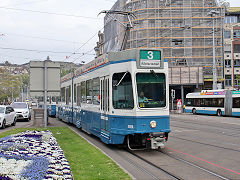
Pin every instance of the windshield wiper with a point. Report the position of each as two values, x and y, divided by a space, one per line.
116 85
153 72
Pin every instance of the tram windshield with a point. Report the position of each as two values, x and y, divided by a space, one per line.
151 88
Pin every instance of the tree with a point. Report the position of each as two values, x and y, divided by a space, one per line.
10 85
25 80
65 72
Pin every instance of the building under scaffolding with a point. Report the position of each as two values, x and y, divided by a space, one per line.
182 28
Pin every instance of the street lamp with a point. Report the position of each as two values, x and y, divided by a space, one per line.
213 13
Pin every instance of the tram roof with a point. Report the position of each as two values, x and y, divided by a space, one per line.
131 54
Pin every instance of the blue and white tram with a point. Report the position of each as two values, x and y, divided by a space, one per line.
121 97
216 102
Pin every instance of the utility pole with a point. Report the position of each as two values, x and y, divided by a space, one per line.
213 13
12 91
45 91
22 93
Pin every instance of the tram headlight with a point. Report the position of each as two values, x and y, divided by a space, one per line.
153 124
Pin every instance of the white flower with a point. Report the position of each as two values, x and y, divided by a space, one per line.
47 146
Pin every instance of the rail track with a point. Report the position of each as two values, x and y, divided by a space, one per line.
174 176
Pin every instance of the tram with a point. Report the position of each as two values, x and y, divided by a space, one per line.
215 102
120 97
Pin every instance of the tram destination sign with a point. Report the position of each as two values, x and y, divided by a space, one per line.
150 59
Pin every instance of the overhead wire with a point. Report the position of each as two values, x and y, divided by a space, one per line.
43 38
61 14
49 13
91 39
35 50
30 2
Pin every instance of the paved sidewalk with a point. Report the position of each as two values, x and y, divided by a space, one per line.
52 122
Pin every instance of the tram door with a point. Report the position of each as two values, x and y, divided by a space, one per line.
104 102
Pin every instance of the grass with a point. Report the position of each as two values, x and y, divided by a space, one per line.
86 161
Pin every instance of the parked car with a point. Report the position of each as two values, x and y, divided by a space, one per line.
34 103
7 116
22 109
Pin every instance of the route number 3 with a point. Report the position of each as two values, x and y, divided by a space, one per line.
150 55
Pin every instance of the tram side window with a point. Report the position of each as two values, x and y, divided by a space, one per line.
63 94
83 92
78 95
89 91
196 102
220 102
96 91
202 102
68 95
75 93
122 91
236 102
189 102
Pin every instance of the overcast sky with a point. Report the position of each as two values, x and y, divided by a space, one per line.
28 28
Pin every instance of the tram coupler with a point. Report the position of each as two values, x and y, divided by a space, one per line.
158 140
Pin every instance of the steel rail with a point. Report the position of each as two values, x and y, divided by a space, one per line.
154 165
196 166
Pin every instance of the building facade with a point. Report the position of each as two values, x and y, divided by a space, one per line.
232 48
183 29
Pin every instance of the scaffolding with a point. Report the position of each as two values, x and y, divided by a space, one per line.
182 28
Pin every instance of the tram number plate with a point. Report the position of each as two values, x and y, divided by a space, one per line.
130 126
150 58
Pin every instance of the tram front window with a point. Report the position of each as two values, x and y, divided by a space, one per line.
151 88
122 91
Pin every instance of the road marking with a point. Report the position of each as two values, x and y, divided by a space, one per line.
231 123
204 160
185 130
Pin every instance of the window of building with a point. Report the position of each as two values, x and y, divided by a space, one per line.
227 34
231 19
236 48
151 23
237 80
237 63
227 48
236 33
228 80
122 91
228 63
177 42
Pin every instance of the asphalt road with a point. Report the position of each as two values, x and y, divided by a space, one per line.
199 147
19 124
211 142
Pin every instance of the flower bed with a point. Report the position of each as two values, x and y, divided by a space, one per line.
32 155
